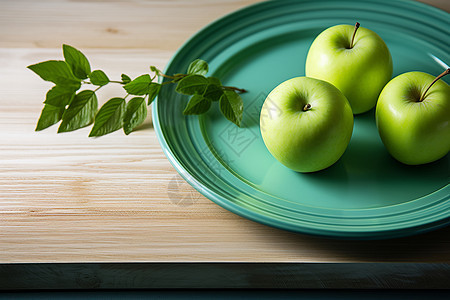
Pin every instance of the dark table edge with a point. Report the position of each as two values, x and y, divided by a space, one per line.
62 276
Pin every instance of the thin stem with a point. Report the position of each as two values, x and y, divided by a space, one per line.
232 88
167 82
436 79
167 76
98 88
307 107
115 81
354 33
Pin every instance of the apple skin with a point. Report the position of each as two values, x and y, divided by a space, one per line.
360 73
414 132
306 141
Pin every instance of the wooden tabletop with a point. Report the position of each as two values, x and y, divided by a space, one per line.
70 198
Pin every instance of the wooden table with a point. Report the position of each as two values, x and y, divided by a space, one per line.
67 198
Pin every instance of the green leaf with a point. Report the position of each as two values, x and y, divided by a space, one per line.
125 78
199 67
155 69
231 106
192 84
80 112
77 62
58 72
214 80
138 86
197 105
213 92
109 118
153 91
50 115
98 77
135 114
59 96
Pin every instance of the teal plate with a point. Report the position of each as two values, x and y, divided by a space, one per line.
366 194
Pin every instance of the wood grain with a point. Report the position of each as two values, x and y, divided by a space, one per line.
69 198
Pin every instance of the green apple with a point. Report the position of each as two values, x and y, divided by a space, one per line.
413 117
306 124
356 61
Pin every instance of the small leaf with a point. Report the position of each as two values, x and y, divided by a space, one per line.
214 80
213 92
192 84
199 67
98 77
135 114
153 91
109 118
125 78
80 112
197 105
232 107
58 72
59 96
138 86
77 62
50 115
155 69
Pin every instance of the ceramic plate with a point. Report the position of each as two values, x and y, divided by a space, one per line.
366 194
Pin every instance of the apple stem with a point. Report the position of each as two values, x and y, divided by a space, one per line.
436 79
307 107
354 33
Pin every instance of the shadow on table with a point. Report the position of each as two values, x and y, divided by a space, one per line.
432 246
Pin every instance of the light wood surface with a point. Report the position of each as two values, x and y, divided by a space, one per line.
70 198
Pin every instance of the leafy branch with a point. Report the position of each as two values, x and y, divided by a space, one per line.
76 109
